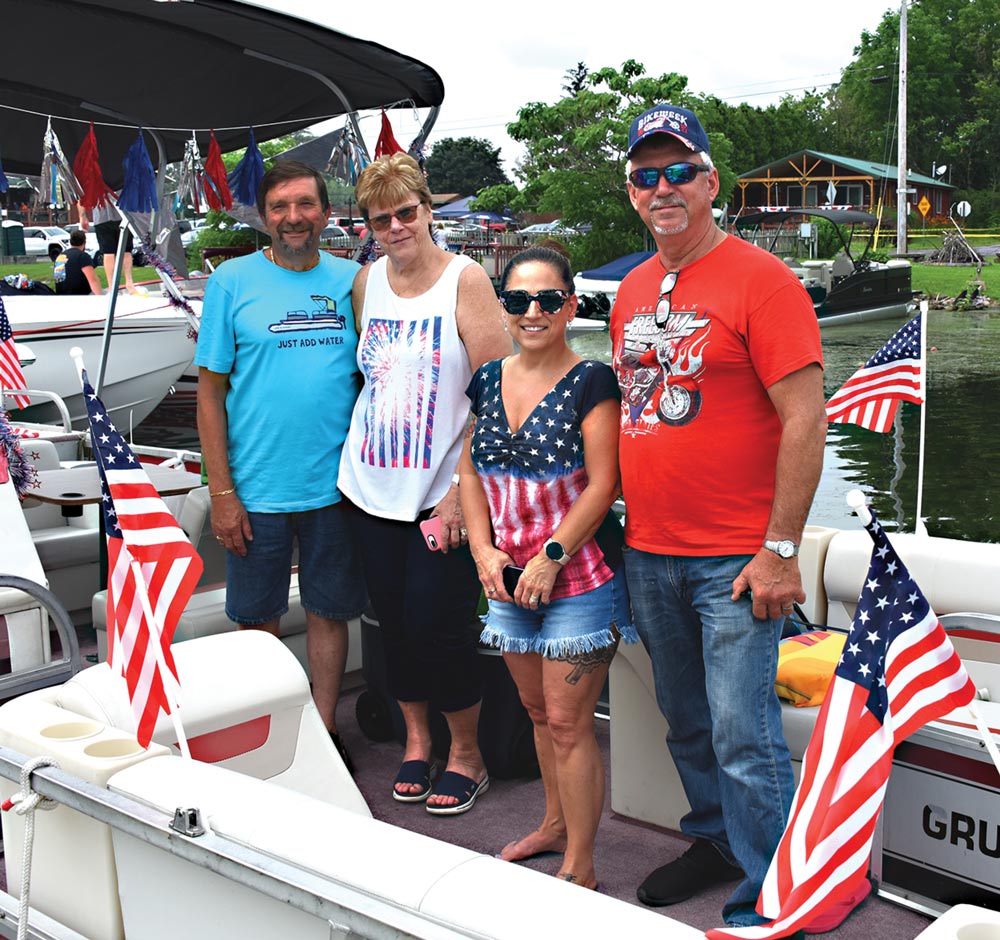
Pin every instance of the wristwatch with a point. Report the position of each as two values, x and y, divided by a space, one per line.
786 548
556 552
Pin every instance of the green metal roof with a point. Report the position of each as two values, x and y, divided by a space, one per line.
864 167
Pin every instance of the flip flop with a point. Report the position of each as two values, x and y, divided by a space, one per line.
464 789
417 772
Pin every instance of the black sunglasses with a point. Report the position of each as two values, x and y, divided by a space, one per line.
667 285
405 214
646 177
516 302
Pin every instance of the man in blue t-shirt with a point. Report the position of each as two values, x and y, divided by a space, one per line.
277 383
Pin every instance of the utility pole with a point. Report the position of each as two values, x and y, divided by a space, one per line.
902 182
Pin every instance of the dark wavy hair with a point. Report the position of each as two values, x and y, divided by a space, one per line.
538 253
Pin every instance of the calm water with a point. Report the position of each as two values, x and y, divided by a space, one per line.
960 497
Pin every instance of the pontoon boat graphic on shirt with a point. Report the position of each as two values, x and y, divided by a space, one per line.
324 317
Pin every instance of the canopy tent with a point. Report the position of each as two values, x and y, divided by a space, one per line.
455 210
617 269
176 67
315 152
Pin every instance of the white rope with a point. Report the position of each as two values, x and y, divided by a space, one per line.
24 804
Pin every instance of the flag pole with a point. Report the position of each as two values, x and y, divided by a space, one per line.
166 676
919 526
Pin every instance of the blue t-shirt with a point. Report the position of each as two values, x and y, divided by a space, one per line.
288 341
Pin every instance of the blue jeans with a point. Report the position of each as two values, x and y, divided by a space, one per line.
713 667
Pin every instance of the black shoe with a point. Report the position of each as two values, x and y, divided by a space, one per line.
342 751
700 867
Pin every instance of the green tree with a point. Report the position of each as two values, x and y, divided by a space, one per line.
464 165
575 161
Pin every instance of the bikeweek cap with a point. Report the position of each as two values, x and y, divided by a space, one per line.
668 119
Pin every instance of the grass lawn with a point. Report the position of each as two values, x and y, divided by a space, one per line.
42 271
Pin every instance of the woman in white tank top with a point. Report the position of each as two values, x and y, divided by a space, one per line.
426 320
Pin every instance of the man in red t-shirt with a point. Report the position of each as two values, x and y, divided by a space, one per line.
717 350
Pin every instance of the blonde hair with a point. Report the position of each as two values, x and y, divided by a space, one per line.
388 180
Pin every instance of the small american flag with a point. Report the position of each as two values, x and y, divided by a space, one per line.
898 671
140 529
11 375
871 396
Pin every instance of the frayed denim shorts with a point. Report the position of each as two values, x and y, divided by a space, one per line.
565 626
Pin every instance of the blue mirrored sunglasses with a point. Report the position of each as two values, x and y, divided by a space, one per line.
646 177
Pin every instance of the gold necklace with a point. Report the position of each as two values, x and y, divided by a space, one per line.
274 260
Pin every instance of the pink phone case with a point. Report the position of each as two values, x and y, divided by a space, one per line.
431 529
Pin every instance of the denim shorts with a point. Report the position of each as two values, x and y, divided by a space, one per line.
565 626
330 580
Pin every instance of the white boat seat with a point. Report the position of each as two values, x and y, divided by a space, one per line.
68 547
955 576
246 705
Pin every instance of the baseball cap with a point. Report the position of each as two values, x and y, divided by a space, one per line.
668 119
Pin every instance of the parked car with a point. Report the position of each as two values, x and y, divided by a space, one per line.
334 236
92 248
354 225
45 241
557 229
189 230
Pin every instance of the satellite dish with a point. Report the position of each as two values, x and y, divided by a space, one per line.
941 170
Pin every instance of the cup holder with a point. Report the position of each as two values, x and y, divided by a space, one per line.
115 747
72 730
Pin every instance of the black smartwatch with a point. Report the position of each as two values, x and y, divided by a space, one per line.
556 552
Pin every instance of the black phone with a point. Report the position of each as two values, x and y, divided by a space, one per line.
511 575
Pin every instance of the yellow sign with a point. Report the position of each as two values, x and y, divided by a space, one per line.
924 206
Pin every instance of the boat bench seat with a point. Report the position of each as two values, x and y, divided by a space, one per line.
67 546
957 577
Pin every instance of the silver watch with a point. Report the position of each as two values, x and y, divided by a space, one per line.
785 548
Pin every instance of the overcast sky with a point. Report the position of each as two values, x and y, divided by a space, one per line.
496 57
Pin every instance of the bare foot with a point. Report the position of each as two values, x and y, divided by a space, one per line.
534 843
590 882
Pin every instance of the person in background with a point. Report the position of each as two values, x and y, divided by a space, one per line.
539 476
275 392
426 321
718 354
74 269
107 227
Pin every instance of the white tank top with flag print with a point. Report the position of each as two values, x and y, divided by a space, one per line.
409 421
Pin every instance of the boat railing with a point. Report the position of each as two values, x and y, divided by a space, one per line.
350 912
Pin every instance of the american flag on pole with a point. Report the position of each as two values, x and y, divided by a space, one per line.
11 375
898 671
871 396
140 529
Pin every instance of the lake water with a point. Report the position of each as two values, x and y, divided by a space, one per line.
960 498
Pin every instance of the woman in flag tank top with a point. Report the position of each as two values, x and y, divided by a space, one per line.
539 475
427 320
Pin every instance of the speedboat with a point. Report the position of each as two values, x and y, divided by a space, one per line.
150 348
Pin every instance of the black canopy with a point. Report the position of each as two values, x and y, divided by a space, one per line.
178 67
837 216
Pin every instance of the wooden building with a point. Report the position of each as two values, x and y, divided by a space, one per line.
810 178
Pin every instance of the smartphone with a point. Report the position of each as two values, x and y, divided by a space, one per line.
511 575
431 530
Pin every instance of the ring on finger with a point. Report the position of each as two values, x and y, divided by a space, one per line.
218 538
492 591
533 599
463 533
